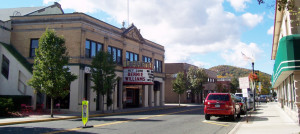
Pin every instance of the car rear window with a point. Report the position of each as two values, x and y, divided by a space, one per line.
219 97
239 95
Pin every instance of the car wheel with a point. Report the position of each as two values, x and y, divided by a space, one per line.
207 117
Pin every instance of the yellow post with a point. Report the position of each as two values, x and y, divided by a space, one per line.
85 112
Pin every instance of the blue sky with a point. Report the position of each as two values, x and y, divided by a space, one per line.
200 32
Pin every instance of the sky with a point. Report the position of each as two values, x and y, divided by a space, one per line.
204 33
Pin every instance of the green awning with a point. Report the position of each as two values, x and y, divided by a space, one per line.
287 58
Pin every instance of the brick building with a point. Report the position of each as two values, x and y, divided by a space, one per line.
171 71
223 85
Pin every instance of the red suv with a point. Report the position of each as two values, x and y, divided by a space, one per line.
221 104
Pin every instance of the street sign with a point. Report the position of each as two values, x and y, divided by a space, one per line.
244 82
85 112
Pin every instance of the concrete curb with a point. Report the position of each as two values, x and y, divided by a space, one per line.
76 117
236 127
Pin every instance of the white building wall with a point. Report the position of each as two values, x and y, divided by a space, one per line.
4 31
160 96
48 10
286 99
11 86
76 89
92 98
145 95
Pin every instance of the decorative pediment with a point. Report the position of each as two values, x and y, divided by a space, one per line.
133 33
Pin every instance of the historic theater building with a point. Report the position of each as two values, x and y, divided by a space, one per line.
140 62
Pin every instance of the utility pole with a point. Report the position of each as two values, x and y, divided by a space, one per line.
254 92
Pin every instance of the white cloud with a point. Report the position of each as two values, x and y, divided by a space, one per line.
239 5
252 20
183 27
234 55
271 30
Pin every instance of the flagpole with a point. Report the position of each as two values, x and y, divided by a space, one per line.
127 13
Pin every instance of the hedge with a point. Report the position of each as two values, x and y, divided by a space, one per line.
17 100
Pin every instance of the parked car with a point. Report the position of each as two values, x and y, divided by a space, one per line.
243 104
221 105
248 96
263 98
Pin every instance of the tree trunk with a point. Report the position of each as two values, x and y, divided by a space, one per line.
201 93
102 108
179 99
97 101
51 111
198 98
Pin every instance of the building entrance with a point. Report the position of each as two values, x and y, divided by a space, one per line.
132 97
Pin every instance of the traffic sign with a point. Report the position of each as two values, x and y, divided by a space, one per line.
85 112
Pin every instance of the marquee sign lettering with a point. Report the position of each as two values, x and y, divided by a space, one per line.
138 76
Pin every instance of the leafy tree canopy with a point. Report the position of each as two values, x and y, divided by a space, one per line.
226 71
103 74
197 77
180 84
282 4
50 74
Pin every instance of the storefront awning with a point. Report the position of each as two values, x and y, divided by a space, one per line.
287 58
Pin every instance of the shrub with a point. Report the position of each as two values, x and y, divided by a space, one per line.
6 105
18 100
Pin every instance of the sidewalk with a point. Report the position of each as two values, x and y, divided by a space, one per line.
74 115
268 118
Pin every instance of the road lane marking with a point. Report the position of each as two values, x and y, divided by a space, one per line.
219 124
119 122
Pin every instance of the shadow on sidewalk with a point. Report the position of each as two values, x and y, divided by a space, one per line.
254 112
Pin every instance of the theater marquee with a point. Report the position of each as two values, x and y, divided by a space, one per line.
138 76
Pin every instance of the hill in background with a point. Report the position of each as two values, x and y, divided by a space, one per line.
226 71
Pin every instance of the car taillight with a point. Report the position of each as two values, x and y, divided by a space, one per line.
228 104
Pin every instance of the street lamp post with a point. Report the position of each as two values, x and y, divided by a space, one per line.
254 92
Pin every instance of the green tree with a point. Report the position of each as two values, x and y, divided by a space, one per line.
282 4
265 91
197 77
234 85
103 76
50 74
265 82
180 84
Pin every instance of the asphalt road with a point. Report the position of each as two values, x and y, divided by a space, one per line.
182 120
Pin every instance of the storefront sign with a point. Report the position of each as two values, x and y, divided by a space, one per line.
138 76
244 82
